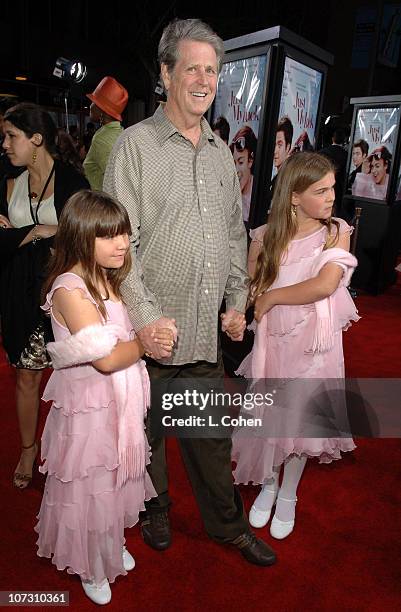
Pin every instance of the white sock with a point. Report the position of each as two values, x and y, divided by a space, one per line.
293 470
265 499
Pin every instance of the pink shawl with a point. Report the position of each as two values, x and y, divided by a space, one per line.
323 339
327 319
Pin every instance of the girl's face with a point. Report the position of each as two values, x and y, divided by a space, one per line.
379 168
110 251
317 201
18 147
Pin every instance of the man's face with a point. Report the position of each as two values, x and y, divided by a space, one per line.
357 156
192 84
243 166
281 150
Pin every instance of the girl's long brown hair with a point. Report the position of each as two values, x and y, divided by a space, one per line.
297 173
86 216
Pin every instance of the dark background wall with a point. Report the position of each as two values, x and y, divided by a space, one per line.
121 40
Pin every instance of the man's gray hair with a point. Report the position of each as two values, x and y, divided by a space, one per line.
187 29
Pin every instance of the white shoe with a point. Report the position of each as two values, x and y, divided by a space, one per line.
98 593
259 518
128 560
281 529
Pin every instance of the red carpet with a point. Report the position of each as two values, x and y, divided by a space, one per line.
343 555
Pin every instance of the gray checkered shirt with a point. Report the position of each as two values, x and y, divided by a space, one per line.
188 238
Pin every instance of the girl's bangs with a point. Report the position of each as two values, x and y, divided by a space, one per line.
113 223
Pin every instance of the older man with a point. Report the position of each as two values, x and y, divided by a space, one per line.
178 182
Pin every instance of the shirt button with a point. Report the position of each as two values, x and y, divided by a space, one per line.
208 264
206 291
205 209
201 182
208 236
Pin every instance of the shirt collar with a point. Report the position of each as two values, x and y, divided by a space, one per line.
165 129
111 124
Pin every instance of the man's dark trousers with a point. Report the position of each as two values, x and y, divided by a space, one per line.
207 461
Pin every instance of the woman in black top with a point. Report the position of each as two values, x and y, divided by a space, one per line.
30 206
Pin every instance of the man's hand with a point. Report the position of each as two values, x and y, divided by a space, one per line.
151 342
164 336
233 324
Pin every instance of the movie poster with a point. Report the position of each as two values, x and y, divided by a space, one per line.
372 152
236 117
299 105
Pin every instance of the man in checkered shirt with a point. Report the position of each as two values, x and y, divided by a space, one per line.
178 182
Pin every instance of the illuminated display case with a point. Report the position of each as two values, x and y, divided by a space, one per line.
270 79
373 185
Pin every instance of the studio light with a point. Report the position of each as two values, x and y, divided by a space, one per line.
69 70
73 71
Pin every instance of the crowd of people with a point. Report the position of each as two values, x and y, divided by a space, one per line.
115 277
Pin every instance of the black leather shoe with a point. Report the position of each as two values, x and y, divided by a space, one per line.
254 550
155 530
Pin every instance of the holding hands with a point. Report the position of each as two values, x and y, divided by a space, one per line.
164 337
158 338
233 324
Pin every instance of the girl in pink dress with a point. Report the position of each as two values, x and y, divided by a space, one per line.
300 266
93 445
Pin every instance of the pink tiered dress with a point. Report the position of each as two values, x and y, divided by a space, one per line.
282 355
83 514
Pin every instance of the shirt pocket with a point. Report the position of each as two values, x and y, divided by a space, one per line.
224 194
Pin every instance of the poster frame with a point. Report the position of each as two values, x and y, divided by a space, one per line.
283 50
243 54
310 62
372 103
